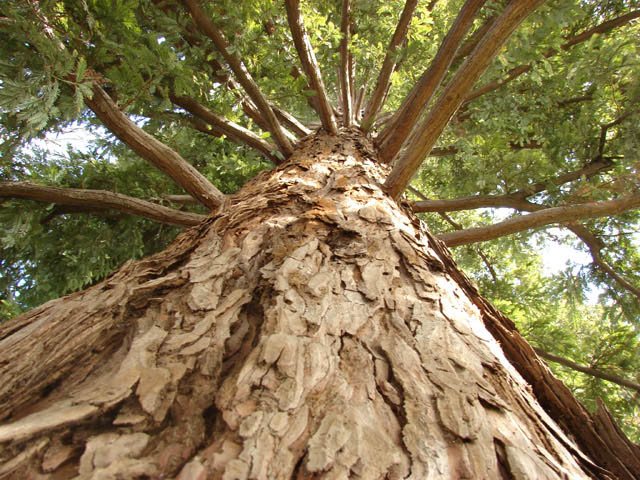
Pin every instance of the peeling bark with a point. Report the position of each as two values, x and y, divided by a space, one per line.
312 329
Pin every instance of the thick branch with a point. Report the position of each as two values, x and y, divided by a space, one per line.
233 130
291 122
455 92
388 65
181 199
310 65
153 150
521 69
468 46
205 24
538 219
345 77
589 371
99 199
421 94
457 226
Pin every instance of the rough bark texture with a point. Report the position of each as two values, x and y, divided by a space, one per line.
311 329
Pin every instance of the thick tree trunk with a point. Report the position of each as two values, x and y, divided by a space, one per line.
311 329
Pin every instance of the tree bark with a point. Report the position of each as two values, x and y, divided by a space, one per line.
311 329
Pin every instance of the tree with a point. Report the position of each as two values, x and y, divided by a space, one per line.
308 324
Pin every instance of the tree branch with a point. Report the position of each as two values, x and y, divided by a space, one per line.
517 200
512 200
345 77
99 199
457 226
595 247
205 25
233 130
153 150
468 46
250 109
455 92
544 217
588 370
291 122
393 136
181 199
310 65
521 69
388 65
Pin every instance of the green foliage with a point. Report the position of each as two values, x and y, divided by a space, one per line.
53 51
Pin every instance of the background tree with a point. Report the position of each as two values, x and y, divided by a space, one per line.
542 122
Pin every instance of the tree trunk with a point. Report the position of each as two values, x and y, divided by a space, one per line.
311 329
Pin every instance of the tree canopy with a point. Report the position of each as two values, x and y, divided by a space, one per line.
516 145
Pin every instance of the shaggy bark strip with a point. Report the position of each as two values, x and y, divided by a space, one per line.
309 330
